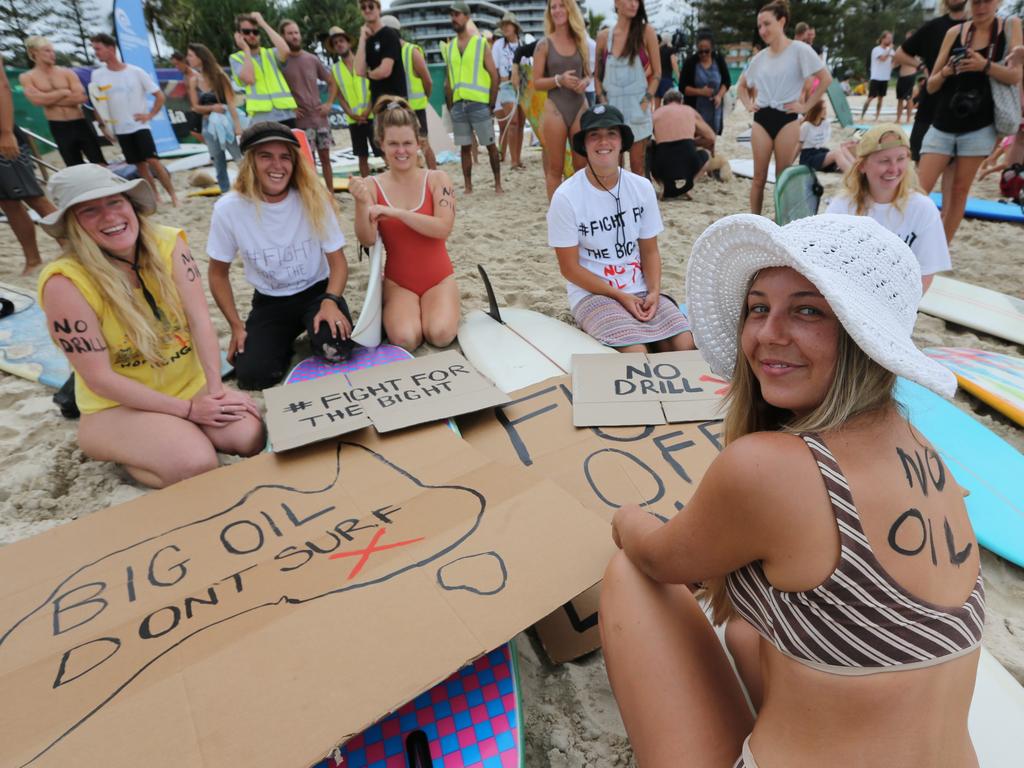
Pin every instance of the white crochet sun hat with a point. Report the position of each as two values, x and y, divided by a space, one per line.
869 277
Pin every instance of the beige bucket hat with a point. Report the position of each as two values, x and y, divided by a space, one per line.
82 183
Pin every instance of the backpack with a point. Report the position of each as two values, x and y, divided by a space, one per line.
1011 183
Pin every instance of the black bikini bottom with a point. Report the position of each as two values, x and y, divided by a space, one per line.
773 120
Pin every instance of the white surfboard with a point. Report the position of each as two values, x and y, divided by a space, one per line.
368 330
975 307
744 166
188 162
99 102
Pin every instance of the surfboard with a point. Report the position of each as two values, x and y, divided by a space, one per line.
797 194
840 104
515 347
100 105
469 719
982 462
975 307
26 349
369 328
989 210
744 166
532 101
995 379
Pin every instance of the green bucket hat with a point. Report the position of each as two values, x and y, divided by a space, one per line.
601 116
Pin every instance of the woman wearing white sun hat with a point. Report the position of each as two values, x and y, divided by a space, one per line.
852 590
126 304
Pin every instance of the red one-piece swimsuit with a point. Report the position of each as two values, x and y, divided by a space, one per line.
414 261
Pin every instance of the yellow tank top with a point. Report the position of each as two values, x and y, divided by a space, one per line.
182 376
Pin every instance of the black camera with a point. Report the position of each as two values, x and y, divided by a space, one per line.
965 103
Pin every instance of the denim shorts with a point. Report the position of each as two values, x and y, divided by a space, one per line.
977 143
469 117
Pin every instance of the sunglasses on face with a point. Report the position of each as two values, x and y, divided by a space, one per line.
249 31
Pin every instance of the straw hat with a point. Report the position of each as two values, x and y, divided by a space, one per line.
82 183
869 277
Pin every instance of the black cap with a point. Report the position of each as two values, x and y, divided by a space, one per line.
261 133
601 116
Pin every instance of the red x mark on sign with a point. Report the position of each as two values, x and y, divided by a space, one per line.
713 380
364 554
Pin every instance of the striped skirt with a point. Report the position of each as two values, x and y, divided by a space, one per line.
611 323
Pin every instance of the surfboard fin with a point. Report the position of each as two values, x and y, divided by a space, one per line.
493 311
417 750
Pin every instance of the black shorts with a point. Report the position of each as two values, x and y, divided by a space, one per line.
814 158
878 88
773 120
17 177
421 115
674 161
905 87
665 84
137 147
361 135
271 328
76 142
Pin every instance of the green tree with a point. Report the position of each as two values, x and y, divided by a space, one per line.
210 23
315 17
18 20
594 22
862 22
73 22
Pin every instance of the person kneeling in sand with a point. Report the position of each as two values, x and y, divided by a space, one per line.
282 222
882 184
677 161
413 211
126 304
603 224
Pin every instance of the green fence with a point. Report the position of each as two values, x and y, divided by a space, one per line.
26 114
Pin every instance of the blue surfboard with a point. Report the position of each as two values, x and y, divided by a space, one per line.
982 462
990 210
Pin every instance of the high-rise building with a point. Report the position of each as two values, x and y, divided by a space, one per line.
426 22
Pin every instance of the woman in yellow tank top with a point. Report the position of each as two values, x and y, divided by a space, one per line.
126 304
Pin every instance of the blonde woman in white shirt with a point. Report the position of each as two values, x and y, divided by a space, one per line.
882 184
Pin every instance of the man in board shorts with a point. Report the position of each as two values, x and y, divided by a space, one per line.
126 87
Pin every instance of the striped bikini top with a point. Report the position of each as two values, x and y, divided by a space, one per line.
859 621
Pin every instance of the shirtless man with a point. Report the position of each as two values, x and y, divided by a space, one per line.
61 95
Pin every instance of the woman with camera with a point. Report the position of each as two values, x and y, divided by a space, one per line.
964 127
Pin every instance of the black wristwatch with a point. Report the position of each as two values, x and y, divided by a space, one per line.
333 297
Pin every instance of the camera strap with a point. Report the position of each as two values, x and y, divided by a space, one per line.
998 29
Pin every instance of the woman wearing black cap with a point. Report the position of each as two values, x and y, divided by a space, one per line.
281 221
603 224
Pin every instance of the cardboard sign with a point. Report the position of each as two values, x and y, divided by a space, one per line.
638 388
265 612
657 467
424 389
390 397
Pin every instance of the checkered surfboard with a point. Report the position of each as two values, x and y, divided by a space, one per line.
471 720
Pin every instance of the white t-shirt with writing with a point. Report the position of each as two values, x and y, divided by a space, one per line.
126 91
779 78
881 70
918 225
605 232
280 250
815 136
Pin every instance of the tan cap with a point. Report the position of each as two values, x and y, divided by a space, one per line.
334 32
391 21
881 137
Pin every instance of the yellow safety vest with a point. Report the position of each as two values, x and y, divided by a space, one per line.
417 96
354 88
467 76
270 90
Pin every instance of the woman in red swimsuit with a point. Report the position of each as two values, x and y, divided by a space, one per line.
413 211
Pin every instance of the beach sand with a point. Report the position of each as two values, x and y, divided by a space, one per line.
570 715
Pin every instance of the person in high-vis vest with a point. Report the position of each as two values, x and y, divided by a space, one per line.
353 93
419 85
258 70
471 90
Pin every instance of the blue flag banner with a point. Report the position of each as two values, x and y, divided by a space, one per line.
133 40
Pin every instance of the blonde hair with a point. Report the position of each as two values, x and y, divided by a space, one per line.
859 385
32 42
577 30
315 201
147 334
387 116
855 183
